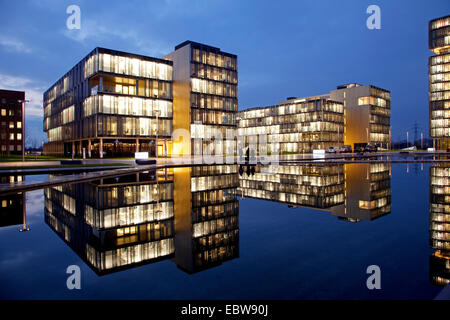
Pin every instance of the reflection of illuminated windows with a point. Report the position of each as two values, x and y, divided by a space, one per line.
367 204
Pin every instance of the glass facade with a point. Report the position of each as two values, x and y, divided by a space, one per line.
439 82
214 102
295 126
107 98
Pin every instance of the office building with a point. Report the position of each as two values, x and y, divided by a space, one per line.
367 114
353 114
439 82
295 125
205 99
116 103
110 103
11 122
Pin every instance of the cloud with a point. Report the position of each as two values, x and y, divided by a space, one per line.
33 92
91 31
11 44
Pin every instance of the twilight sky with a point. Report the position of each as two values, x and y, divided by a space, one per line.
285 48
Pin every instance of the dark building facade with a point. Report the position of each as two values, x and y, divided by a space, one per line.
11 122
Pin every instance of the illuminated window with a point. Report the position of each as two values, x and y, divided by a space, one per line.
19 125
19 136
4 112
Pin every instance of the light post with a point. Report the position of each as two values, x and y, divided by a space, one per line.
407 134
23 128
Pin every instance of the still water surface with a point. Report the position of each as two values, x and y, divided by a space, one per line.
225 232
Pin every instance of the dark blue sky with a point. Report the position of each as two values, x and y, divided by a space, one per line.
284 48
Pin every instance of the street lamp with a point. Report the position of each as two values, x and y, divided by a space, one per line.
23 128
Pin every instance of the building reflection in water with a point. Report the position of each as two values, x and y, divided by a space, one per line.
12 207
352 192
440 224
189 215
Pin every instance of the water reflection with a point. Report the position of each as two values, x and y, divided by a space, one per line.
440 224
12 207
189 215
352 192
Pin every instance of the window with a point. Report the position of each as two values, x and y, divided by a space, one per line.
11 124
19 148
11 148
11 136
3 112
19 136
19 124
3 148
11 113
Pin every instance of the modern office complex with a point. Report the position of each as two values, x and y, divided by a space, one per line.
353 114
117 103
439 82
367 114
295 125
11 121
205 98
110 103
440 224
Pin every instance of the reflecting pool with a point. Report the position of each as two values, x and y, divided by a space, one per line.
233 232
